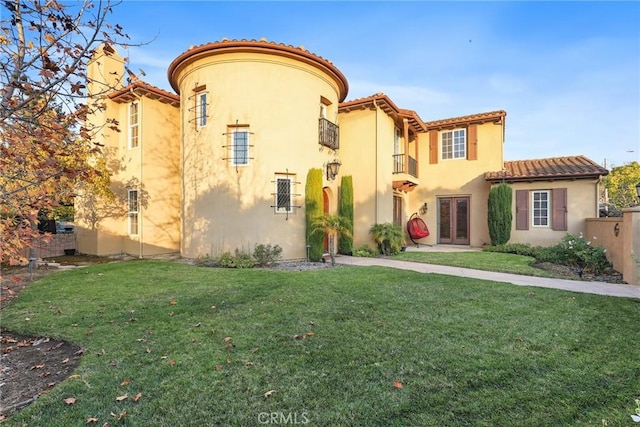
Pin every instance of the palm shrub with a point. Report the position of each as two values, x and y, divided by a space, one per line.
389 237
332 225
313 210
345 210
499 214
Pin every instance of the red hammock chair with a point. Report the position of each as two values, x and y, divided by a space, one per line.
416 228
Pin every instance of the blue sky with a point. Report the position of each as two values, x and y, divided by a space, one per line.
567 73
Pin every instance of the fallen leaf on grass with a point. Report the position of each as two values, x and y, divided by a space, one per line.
269 393
229 361
172 362
91 420
125 382
121 398
173 302
227 339
218 367
397 384
137 397
66 360
36 367
197 325
70 400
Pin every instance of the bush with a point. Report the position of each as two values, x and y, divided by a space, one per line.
573 251
241 259
389 237
313 210
345 210
499 214
365 251
266 255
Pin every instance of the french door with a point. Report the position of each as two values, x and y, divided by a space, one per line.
453 220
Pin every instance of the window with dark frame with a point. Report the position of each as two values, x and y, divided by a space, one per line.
284 194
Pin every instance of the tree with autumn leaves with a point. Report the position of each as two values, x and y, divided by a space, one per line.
45 143
621 187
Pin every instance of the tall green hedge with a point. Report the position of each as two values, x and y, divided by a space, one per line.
313 203
345 210
499 216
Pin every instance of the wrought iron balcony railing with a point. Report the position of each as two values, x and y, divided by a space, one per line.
399 166
328 134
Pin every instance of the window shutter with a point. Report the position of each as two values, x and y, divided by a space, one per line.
522 209
559 206
472 142
433 146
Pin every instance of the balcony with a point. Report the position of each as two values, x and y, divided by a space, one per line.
405 177
328 134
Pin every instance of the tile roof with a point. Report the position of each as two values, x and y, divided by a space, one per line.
491 116
140 88
260 46
572 167
388 106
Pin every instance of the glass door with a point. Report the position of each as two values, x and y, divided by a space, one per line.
453 220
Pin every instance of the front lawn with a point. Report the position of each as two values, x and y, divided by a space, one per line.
488 261
347 346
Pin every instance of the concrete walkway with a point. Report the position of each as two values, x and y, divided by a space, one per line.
600 288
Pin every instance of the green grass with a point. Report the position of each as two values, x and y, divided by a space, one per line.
488 261
467 352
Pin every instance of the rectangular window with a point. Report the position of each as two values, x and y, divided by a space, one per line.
134 122
133 212
240 146
540 208
284 194
201 109
454 144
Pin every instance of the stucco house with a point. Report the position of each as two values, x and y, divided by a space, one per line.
221 163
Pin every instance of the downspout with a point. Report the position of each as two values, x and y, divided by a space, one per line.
141 231
376 163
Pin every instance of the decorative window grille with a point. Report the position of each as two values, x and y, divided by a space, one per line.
284 195
238 145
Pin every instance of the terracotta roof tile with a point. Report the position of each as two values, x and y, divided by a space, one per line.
140 88
233 45
388 106
491 116
572 167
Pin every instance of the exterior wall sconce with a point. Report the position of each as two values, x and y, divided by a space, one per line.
333 167
423 209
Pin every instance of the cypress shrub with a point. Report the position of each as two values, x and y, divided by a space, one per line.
345 210
313 203
499 216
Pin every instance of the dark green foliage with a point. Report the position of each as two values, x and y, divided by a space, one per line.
266 255
499 216
574 251
313 210
345 210
389 237
365 251
241 259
